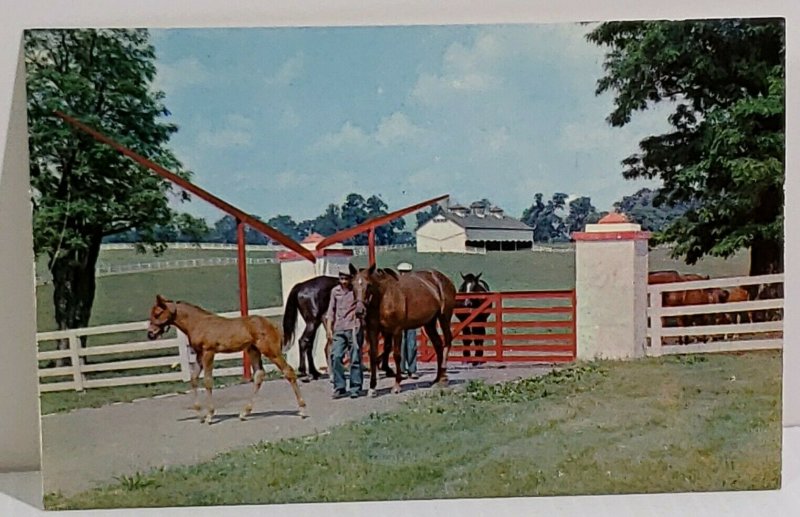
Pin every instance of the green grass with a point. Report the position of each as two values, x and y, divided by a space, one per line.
670 424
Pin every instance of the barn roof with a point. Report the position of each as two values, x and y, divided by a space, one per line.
489 222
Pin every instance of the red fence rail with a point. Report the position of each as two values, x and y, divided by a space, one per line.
519 326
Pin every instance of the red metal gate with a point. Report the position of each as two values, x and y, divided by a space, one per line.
521 326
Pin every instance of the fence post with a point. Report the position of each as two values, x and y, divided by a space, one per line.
75 358
611 261
498 329
186 356
655 323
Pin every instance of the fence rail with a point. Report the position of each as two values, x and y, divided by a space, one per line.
117 357
750 335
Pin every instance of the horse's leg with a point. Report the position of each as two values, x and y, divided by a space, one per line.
258 377
195 375
208 380
394 341
481 331
387 349
436 341
444 321
307 352
289 374
372 342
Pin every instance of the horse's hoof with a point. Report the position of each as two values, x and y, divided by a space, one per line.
305 379
302 413
396 389
242 416
372 393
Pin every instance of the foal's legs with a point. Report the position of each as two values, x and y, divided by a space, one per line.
258 377
195 375
288 373
208 380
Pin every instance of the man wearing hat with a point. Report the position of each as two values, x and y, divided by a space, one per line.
343 328
408 351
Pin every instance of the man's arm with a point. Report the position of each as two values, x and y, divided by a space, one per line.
329 317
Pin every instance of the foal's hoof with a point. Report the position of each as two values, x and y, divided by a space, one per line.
207 419
372 393
302 413
396 389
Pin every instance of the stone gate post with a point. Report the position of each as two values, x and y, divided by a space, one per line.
611 289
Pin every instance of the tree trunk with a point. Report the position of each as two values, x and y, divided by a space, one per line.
766 258
73 290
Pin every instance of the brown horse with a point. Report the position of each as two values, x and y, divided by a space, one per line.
389 303
209 334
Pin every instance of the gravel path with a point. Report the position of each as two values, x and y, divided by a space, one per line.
90 447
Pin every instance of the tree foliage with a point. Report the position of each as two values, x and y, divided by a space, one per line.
724 154
84 191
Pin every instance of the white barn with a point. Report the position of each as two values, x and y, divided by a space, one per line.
459 229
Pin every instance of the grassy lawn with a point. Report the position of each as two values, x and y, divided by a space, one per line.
693 423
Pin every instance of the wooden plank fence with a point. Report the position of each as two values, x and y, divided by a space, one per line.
761 334
117 357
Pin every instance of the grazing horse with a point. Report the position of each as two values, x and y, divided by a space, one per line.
209 334
473 284
310 299
389 303
688 297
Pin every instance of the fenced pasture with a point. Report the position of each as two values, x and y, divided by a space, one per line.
668 424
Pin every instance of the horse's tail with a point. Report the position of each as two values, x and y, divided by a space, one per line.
290 318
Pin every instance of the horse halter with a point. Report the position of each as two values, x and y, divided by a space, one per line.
162 328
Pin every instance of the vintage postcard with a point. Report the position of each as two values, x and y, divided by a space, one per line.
281 265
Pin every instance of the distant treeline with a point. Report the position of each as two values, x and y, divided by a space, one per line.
552 221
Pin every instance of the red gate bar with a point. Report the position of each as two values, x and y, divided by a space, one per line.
242 218
371 224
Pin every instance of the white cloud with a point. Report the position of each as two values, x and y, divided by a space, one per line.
290 70
396 128
177 75
349 135
237 131
464 70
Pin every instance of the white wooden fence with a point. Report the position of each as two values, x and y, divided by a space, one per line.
657 331
180 359
118 269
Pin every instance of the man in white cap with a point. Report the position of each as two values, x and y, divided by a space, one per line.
408 350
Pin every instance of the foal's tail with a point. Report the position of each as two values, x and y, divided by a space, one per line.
290 319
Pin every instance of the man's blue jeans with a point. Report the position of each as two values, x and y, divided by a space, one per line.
347 341
408 352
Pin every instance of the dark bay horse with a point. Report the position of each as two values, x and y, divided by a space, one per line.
473 284
210 334
311 298
389 303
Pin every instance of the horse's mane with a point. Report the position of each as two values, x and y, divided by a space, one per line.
193 306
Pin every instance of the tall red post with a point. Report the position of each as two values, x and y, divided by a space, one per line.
372 259
242 264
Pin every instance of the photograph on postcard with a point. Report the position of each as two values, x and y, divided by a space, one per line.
319 264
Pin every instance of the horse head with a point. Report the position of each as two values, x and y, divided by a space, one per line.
472 283
162 315
364 288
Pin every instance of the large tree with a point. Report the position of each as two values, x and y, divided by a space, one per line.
725 149
84 191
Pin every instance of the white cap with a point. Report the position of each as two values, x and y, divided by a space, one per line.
404 266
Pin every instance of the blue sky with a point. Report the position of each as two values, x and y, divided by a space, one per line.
288 120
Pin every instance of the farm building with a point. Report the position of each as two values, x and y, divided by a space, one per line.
460 229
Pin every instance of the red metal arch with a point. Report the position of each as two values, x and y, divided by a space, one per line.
242 217
371 224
